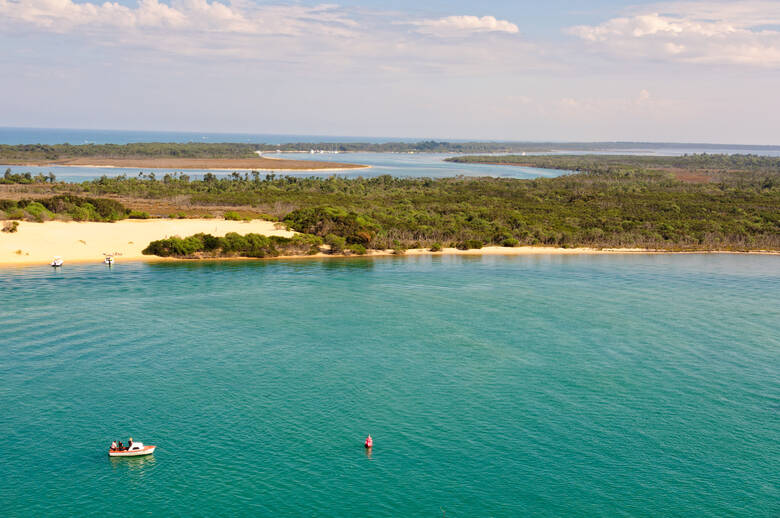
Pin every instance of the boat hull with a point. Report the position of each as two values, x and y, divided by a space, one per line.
146 450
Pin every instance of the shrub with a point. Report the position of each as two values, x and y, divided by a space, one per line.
7 205
436 247
510 242
469 244
337 243
233 216
322 221
38 211
11 226
85 212
358 249
138 214
15 214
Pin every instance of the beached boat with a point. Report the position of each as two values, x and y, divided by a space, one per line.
136 450
57 261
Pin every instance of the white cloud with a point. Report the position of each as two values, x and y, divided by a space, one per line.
63 16
463 25
736 33
309 39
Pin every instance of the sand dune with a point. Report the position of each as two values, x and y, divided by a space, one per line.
37 243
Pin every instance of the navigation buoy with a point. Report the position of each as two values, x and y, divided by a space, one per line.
369 441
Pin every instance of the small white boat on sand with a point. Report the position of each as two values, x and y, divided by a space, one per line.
136 450
57 261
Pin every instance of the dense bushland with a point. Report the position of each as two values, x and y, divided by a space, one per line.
718 167
234 244
612 204
72 207
605 208
246 150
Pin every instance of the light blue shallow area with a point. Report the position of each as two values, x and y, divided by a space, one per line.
428 165
641 385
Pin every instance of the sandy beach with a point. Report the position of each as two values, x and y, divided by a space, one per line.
86 242
37 243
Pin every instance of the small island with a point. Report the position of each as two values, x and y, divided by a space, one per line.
225 157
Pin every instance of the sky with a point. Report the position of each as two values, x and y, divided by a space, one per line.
595 70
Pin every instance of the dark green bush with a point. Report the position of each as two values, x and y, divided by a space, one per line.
337 243
358 249
469 244
38 212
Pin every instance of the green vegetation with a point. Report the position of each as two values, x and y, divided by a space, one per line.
470 244
138 214
699 202
234 245
247 150
233 216
736 168
26 178
136 150
436 247
73 207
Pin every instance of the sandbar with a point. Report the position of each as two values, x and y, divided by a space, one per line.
215 164
37 243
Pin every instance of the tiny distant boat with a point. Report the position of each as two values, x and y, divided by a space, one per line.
57 261
136 450
109 260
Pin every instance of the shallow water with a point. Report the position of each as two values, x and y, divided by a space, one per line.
642 385
428 165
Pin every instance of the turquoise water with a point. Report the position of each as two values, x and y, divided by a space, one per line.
643 385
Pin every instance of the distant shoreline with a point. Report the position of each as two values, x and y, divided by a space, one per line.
211 164
87 242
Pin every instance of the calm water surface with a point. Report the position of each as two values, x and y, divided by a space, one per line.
428 165
529 386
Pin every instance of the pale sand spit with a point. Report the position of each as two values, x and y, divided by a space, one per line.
37 243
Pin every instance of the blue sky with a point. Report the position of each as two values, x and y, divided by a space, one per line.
579 70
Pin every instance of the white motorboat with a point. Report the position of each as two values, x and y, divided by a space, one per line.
57 261
137 449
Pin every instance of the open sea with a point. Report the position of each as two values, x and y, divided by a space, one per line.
604 385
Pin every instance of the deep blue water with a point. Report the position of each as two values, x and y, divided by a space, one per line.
641 385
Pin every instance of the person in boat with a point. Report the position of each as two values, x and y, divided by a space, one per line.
120 447
113 446
129 443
